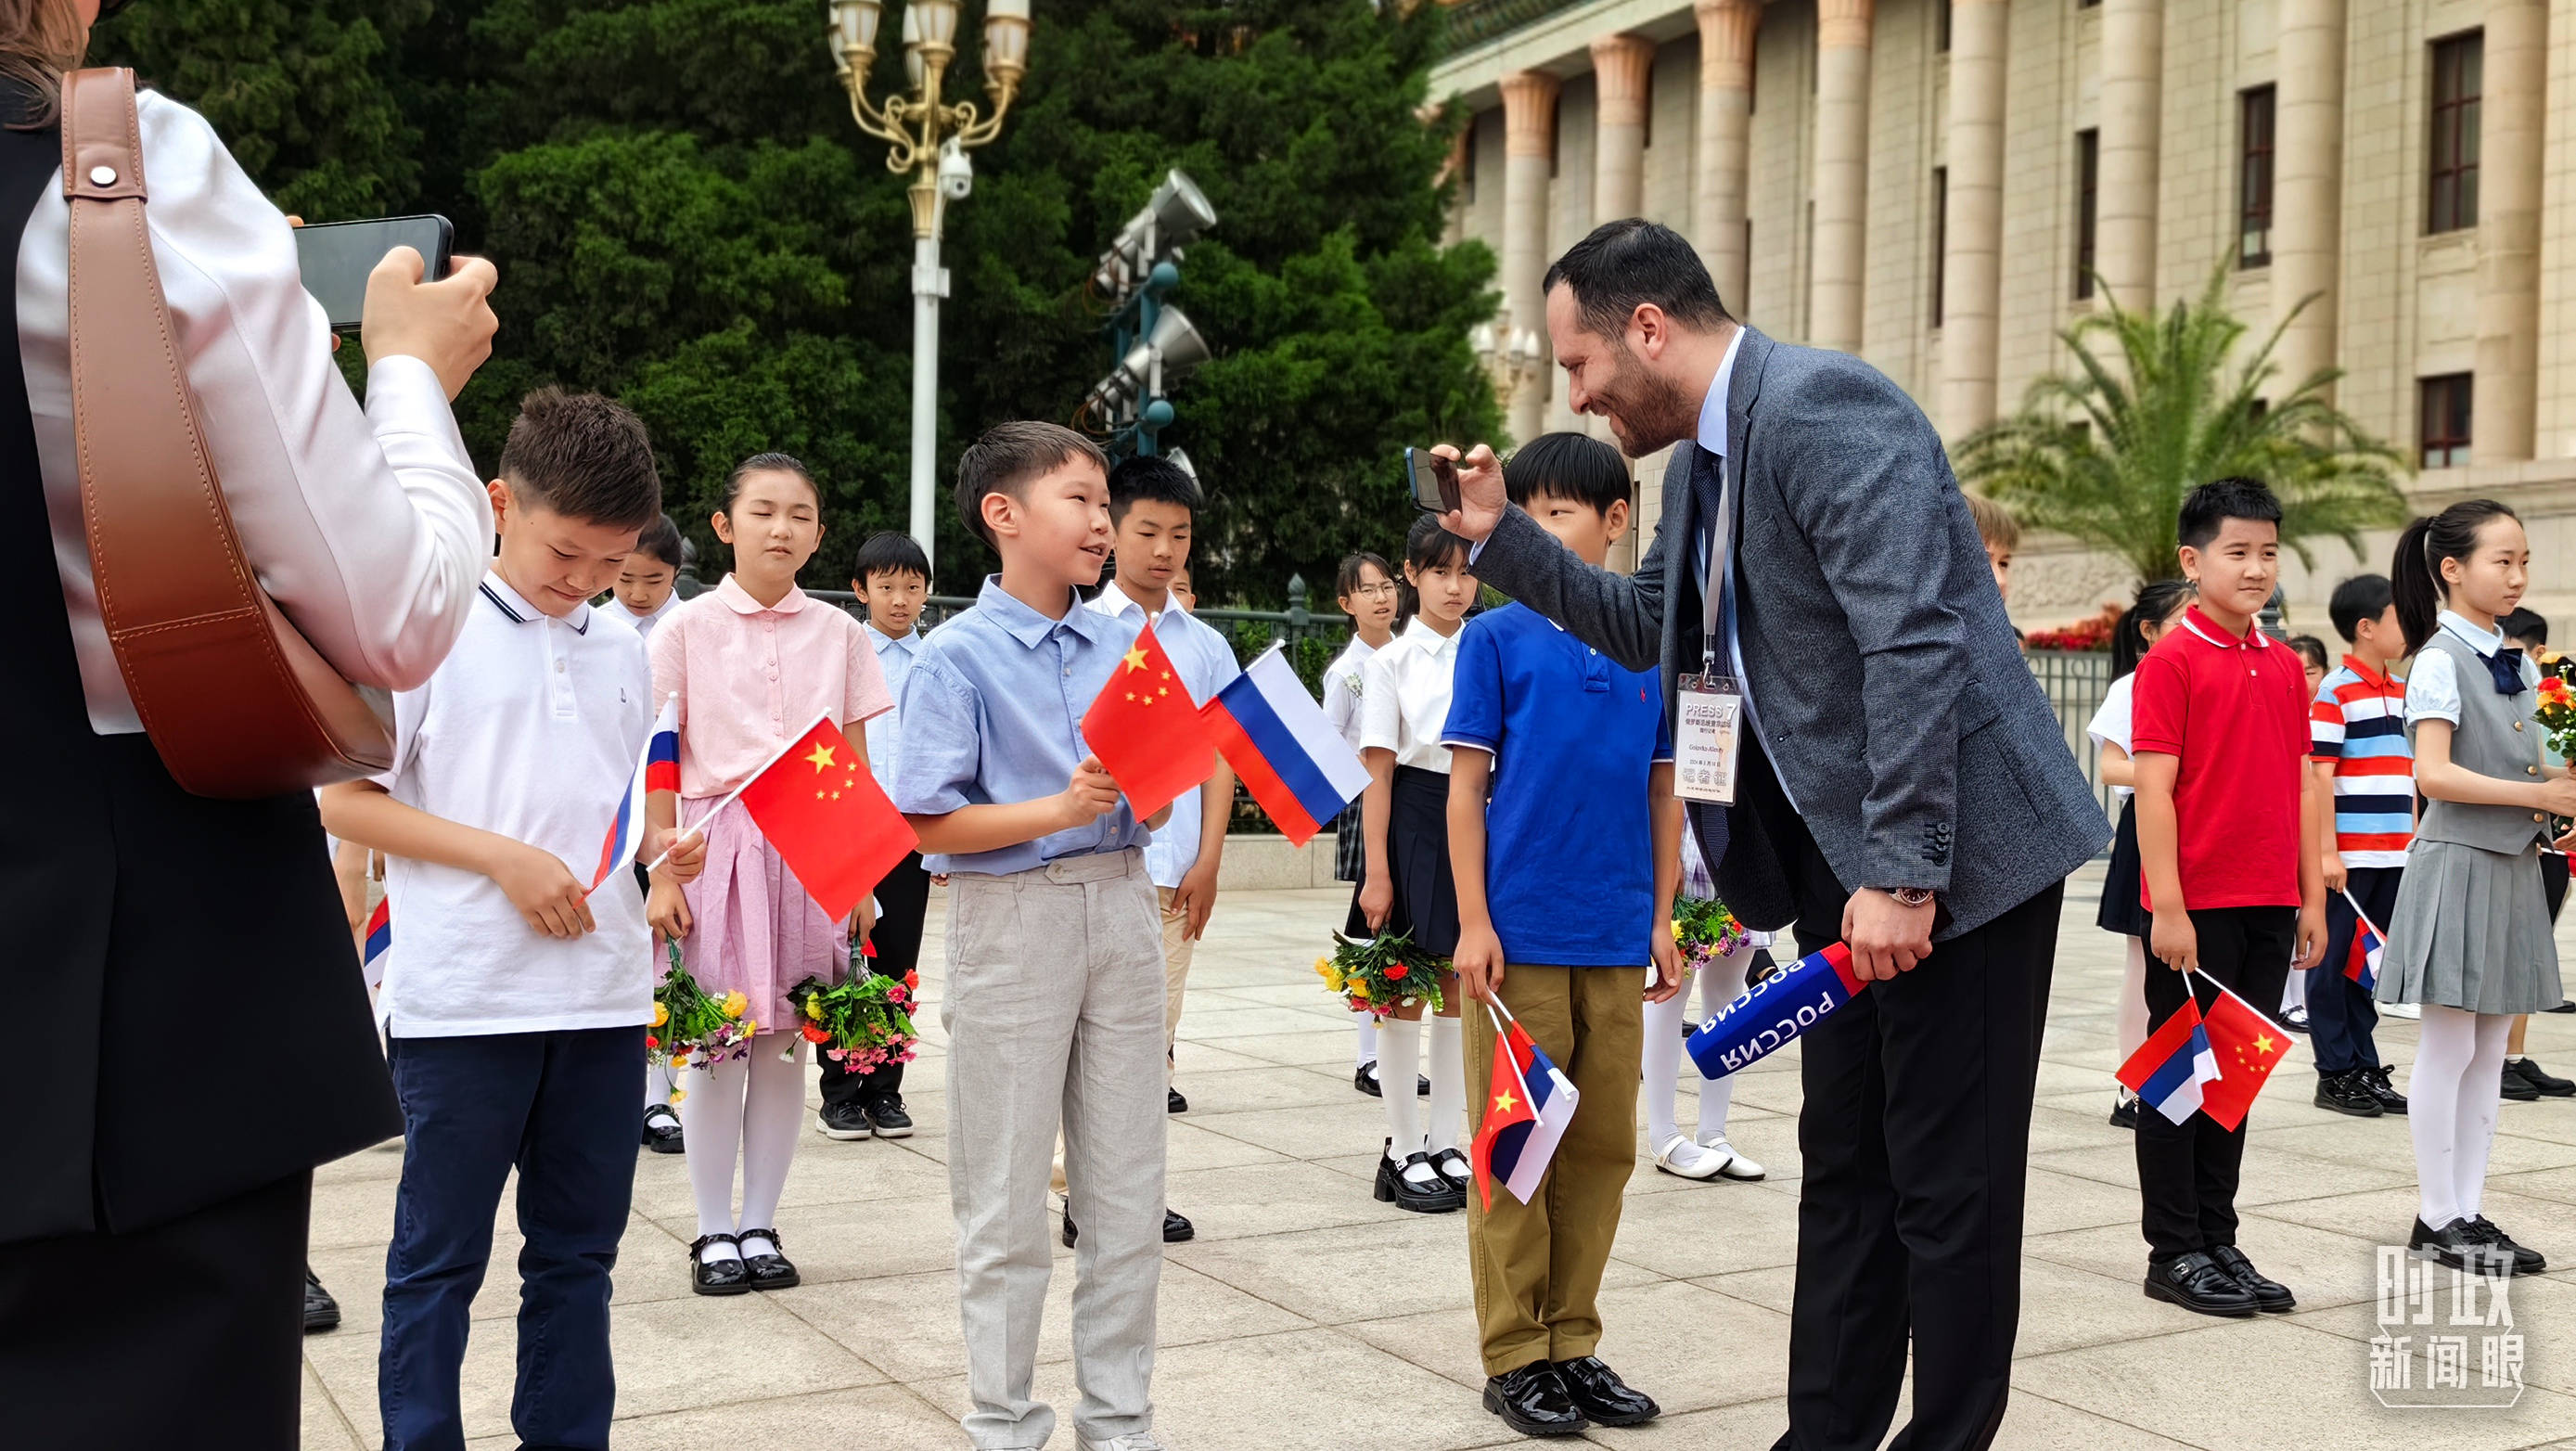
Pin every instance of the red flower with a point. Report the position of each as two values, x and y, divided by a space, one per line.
1397 972
652 1042
814 1033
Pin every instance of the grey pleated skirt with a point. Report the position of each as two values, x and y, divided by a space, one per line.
2471 931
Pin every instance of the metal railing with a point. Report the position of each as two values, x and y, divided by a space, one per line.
2075 682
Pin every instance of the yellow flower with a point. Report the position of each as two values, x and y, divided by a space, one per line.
750 1026
734 1004
814 1006
678 1095
661 1013
1324 967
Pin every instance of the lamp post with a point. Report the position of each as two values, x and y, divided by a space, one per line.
929 137
1510 355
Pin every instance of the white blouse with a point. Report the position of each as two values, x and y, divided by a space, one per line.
1404 696
2110 724
2433 682
368 526
1345 680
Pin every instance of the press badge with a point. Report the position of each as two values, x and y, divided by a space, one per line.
1707 735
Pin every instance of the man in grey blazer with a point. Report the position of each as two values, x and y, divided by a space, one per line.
1904 787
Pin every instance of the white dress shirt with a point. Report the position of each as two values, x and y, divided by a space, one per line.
1207 664
2110 725
644 623
894 660
1345 681
369 527
2433 683
1404 696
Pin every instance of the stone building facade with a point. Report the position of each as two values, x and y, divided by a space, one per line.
1923 182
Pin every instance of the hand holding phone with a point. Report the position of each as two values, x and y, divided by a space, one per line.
1434 478
337 259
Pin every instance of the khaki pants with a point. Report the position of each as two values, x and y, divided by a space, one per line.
1537 1266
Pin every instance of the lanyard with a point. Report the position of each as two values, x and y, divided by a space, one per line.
1721 558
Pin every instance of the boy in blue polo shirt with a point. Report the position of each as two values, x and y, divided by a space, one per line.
1579 764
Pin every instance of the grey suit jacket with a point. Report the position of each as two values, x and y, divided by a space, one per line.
1888 684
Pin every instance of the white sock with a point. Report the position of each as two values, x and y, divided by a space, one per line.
1366 1022
1661 1063
772 1112
1399 1055
718 1251
1720 983
2294 992
711 1118
1448 1085
657 1086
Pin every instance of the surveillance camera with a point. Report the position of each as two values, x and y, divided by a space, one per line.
956 173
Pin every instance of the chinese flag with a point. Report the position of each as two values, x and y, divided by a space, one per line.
831 824
1507 1104
2248 1046
1146 730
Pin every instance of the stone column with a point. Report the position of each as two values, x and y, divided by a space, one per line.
2307 186
2132 108
1620 64
1726 32
1972 248
1842 174
2510 120
1529 130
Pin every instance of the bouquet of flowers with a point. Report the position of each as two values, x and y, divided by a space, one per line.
689 1026
1382 974
2556 711
1705 931
862 1022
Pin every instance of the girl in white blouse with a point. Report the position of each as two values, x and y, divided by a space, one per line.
1365 589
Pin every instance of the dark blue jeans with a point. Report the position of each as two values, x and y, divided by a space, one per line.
2341 1017
559 1107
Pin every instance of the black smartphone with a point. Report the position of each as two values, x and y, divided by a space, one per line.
336 257
1434 478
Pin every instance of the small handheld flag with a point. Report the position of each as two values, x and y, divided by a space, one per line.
2168 1069
1517 1150
1507 1106
2248 1046
657 768
1146 730
1773 1012
2368 947
832 824
1290 758
380 935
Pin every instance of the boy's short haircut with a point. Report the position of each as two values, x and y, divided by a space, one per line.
2525 624
1153 479
583 456
1995 523
887 552
1575 467
2362 597
661 540
2210 506
1009 457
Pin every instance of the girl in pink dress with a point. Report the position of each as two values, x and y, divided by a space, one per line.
753 661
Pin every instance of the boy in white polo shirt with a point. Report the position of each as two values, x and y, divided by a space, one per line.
515 999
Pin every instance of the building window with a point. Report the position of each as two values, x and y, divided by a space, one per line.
2446 420
2088 178
2451 185
1940 236
2254 177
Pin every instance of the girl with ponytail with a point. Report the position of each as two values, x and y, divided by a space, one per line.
2469 939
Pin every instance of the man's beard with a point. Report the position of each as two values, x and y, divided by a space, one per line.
1657 413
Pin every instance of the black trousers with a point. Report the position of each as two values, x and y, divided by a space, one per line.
1915 1138
189 1333
903 901
2341 1016
2187 1171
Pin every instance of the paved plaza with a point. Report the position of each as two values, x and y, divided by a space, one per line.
1308 1317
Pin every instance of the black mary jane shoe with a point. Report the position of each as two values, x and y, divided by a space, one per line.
1453 1166
1603 1398
1437 1197
1364 1078
2270 1295
662 1130
722 1277
2482 1230
2197 1283
772 1271
1533 1400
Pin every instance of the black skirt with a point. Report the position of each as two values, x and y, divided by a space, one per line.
1417 839
2120 911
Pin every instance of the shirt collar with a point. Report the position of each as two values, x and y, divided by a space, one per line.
2380 679
1712 409
1115 600
2210 630
515 605
739 600
881 640
1028 626
2485 642
1440 646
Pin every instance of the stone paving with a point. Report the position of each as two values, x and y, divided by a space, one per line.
1307 1315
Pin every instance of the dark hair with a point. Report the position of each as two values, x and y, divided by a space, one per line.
2312 650
1151 478
1624 265
1347 578
2211 505
2156 599
582 456
1572 466
2362 597
887 552
2525 624
661 540
1426 546
2415 571
768 463
1008 457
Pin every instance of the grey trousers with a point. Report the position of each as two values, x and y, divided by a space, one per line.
1054 1011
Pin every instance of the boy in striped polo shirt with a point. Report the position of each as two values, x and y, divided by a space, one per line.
2358 730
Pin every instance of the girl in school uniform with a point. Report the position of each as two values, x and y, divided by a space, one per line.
1365 589
1404 704
2159 604
2469 939
754 661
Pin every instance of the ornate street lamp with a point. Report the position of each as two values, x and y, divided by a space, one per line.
928 137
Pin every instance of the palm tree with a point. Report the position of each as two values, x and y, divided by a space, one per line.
2105 453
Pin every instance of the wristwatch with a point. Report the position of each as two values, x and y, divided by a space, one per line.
1909 896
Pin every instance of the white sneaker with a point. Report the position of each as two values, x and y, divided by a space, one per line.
2408 1011
1132 1441
1679 1156
1730 1163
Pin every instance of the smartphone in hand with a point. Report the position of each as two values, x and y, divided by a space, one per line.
336 257
1434 478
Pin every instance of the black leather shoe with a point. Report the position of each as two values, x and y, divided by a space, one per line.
2458 1246
772 1271
2124 1114
2195 1282
1177 1228
1603 1398
724 1277
662 1130
2348 1092
885 1112
2482 1230
2518 1088
1533 1400
1453 1166
2540 1080
1364 1078
2383 1092
2270 1296
321 1312
1437 1197
1071 1231
844 1121
1173 1102
2565 1005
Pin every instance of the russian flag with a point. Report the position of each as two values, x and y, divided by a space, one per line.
1774 1012
1290 758
1519 1139
657 768
2169 1068
380 935
2367 949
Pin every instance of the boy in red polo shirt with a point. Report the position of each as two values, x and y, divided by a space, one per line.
2228 848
